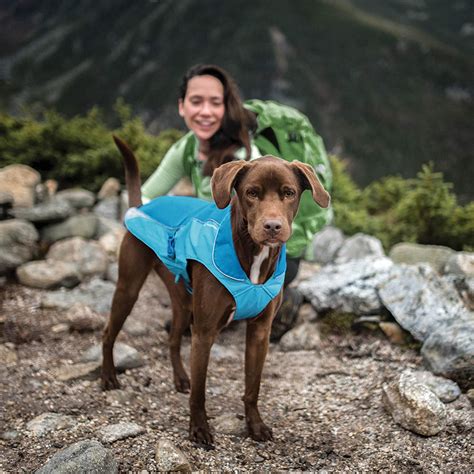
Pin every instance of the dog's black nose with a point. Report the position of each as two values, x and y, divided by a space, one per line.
272 226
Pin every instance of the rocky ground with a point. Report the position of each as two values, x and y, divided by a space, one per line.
325 406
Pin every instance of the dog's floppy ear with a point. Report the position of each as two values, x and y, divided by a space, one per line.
223 180
309 180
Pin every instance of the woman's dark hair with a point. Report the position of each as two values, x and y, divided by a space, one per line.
237 123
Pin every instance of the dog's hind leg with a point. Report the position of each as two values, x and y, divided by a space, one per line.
181 306
135 263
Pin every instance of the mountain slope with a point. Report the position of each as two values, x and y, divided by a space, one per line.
385 88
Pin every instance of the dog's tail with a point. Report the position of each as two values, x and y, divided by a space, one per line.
132 173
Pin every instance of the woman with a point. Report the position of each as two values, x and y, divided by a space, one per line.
220 130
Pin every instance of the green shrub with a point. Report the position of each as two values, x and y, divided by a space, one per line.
79 151
394 209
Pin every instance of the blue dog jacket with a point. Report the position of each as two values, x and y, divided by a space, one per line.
179 229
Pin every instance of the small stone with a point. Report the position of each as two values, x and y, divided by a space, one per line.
393 331
8 356
414 406
112 433
446 390
229 424
87 371
125 357
305 337
47 422
60 328
171 459
10 435
82 318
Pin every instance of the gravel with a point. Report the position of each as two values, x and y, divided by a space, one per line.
325 406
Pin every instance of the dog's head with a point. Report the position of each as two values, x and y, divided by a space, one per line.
268 192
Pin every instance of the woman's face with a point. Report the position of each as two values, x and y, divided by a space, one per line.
203 106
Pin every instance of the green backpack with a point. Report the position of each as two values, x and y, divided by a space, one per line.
285 132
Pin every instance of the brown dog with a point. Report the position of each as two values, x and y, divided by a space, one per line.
267 195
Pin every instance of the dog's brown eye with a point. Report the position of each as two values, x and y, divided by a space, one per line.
252 193
289 193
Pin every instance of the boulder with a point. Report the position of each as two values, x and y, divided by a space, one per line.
82 225
108 208
436 256
18 244
89 256
420 300
326 244
449 351
95 293
461 263
349 287
77 197
49 211
414 406
48 274
20 181
83 457
359 246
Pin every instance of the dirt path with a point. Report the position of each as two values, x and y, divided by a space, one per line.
325 407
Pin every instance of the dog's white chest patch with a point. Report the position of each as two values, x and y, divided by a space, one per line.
257 263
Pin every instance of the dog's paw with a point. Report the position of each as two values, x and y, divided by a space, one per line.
182 384
110 382
260 431
201 436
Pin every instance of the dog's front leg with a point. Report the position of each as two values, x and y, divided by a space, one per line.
258 336
201 344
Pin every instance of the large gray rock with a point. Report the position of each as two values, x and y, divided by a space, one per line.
82 318
77 197
461 263
18 244
359 246
111 241
48 274
326 244
421 301
108 208
89 256
449 351
20 181
81 225
436 256
414 406
84 457
95 293
229 424
49 211
350 287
